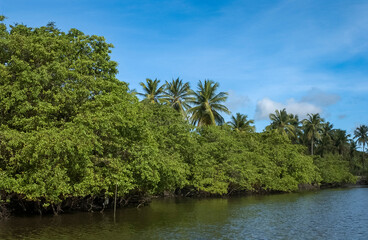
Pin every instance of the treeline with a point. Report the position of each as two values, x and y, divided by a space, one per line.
71 133
204 106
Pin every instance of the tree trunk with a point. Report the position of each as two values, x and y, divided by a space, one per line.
363 157
116 193
312 147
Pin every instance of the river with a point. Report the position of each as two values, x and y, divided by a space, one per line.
325 214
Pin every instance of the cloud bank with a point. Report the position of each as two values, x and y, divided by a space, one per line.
266 106
315 101
236 101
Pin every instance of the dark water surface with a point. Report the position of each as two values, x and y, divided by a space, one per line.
326 214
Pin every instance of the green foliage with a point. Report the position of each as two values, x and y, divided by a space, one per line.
162 162
47 75
152 92
213 168
283 123
284 164
66 121
240 123
361 136
229 161
313 129
208 104
178 95
334 169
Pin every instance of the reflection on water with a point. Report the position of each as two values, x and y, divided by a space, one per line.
327 214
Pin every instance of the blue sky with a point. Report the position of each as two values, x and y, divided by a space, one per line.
307 56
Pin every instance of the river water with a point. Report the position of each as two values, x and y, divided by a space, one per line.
325 214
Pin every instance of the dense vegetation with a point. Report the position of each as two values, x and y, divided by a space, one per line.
71 133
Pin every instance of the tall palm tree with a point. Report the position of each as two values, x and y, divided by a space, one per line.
361 135
240 123
327 130
313 128
326 137
295 136
283 123
178 95
208 104
340 140
352 148
152 92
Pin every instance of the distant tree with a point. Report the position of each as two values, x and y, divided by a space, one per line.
340 139
352 148
313 128
208 104
296 136
283 123
241 123
178 95
152 92
326 138
361 136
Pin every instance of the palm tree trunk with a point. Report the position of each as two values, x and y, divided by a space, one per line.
363 157
312 147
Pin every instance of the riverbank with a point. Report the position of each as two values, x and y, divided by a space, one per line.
325 214
362 180
18 207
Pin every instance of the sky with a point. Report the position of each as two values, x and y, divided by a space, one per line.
307 56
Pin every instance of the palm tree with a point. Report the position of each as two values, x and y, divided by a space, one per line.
207 104
341 140
313 128
326 137
178 95
361 134
352 148
240 123
153 93
283 123
295 136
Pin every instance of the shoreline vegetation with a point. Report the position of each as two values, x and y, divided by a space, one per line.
72 134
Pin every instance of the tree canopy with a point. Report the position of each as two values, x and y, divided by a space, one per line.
282 122
152 91
241 123
179 94
361 136
207 105
313 128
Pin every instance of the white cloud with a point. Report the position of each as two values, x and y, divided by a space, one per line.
266 106
236 101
